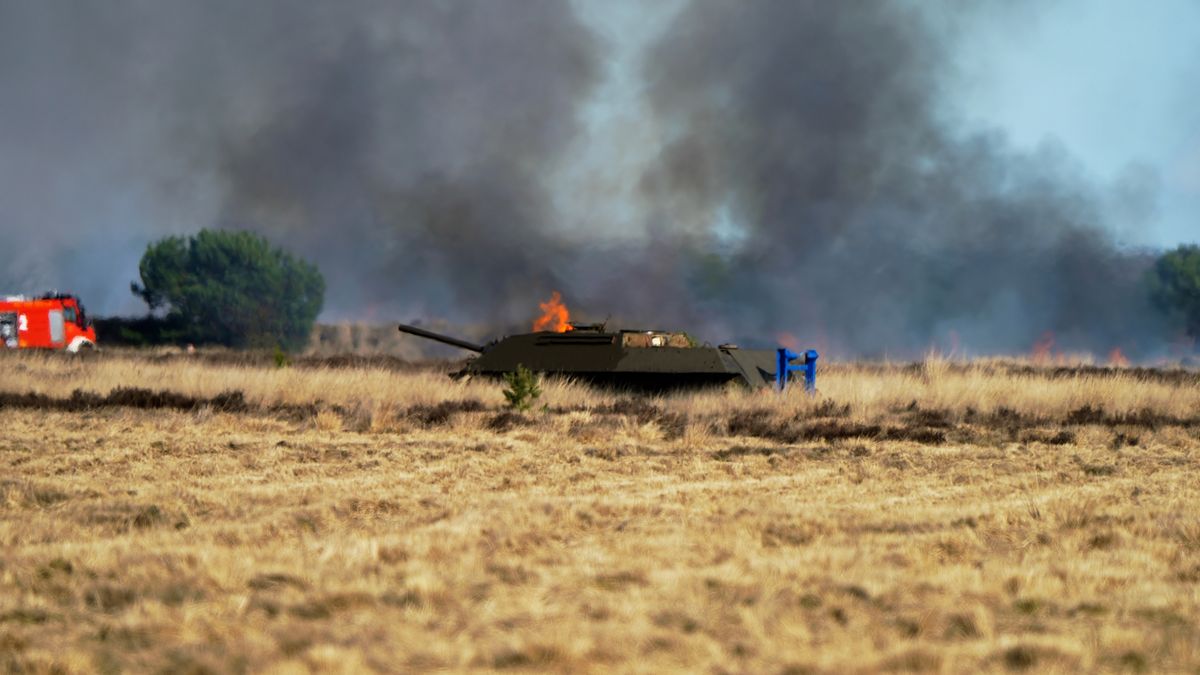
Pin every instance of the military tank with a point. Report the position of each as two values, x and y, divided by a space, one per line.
646 360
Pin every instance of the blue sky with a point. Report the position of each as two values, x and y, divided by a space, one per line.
1115 82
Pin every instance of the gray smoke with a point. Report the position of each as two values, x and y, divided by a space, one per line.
402 146
861 212
811 180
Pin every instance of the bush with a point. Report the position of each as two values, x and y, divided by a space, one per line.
523 388
231 288
1175 286
137 332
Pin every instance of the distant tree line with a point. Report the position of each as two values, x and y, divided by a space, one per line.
235 289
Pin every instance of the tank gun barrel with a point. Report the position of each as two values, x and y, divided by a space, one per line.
438 337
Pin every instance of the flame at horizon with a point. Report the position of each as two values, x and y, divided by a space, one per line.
1043 348
1044 353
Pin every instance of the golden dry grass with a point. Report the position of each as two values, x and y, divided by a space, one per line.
1044 521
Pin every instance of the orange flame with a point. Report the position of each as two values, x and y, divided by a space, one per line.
1117 358
1042 348
555 316
788 340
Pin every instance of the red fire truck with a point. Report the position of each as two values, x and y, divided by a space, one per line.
52 321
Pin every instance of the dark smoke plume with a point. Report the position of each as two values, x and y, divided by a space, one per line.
859 210
812 179
401 146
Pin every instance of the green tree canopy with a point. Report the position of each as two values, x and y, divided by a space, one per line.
1175 286
231 288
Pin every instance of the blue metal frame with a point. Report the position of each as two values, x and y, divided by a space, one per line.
784 368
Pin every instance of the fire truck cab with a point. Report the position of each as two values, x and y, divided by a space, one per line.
53 321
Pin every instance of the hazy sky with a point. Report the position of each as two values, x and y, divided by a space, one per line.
1115 84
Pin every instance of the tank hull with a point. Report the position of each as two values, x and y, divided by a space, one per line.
603 359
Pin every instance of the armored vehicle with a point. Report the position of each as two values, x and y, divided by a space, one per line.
648 360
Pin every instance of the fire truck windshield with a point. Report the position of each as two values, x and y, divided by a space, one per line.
69 315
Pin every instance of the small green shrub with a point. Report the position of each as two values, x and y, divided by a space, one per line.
523 388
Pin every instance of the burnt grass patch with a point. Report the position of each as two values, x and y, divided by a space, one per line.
936 418
125 397
759 423
440 414
1005 419
738 451
1064 437
826 421
793 432
296 412
1144 418
123 517
923 435
834 430
641 410
755 422
830 408
229 401
672 424
1122 439
937 426
1014 422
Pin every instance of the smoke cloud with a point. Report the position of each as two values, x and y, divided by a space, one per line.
402 146
811 180
813 135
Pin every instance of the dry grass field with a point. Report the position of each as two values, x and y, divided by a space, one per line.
175 515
